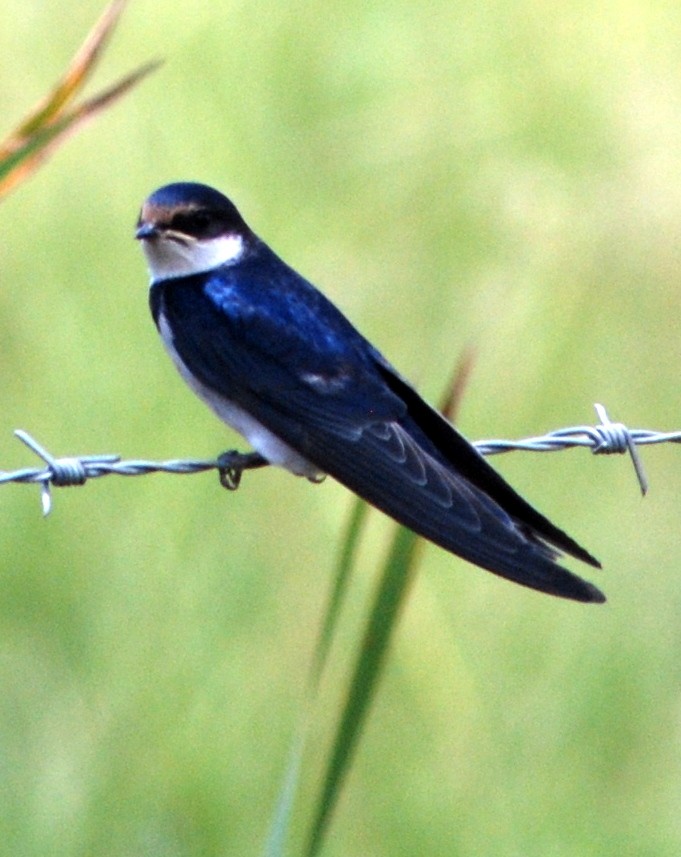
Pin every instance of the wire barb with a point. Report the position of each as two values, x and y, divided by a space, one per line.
60 472
605 438
617 438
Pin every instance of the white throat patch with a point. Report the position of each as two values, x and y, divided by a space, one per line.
169 258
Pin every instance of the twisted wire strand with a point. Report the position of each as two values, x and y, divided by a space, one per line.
605 438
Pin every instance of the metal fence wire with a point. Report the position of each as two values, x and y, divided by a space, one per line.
605 438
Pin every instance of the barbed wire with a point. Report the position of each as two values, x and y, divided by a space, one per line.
605 438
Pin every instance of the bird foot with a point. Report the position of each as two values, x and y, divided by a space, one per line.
231 465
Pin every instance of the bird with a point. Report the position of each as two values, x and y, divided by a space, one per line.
280 364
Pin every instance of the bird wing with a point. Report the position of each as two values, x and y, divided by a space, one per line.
354 418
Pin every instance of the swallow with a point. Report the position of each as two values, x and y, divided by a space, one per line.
280 364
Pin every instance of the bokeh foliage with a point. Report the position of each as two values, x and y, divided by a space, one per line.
498 174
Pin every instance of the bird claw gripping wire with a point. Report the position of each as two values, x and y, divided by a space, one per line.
231 465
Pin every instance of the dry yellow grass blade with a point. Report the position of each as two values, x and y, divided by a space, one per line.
451 401
53 119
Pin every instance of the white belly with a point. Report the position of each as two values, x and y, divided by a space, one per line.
261 439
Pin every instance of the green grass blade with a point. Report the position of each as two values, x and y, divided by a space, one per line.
390 597
346 561
283 813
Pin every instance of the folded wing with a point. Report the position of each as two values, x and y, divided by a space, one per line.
352 416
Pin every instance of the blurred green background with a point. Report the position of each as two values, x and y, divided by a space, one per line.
501 174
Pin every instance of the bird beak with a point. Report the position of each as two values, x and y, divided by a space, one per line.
146 231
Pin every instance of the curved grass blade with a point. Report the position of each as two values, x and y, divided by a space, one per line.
74 78
53 119
17 165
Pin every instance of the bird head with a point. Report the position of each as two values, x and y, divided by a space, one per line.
187 228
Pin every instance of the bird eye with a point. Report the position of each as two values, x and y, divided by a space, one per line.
201 220
194 223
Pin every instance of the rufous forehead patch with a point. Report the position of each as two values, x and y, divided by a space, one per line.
163 214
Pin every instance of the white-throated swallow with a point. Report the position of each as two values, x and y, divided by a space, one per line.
278 362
